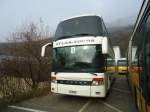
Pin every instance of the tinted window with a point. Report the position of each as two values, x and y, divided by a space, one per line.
137 58
122 63
147 55
91 25
104 29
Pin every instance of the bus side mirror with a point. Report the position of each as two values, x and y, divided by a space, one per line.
104 45
43 49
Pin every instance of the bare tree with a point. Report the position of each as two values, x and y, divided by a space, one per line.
25 49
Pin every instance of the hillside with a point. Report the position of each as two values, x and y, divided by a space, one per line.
120 36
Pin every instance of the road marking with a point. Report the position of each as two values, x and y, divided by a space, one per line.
26 109
112 107
120 90
85 105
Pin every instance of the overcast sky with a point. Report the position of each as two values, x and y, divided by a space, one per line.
15 13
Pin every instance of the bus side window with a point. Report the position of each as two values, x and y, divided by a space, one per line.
147 64
147 55
139 65
104 29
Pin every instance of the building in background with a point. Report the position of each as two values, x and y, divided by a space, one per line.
117 53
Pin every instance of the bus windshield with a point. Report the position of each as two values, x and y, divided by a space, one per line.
110 62
88 58
86 25
122 62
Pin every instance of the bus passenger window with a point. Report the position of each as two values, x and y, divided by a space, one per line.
147 54
148 58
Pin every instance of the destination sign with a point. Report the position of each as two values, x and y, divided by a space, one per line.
77 41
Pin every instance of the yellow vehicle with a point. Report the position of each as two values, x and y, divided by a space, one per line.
111 66
139 59
122 66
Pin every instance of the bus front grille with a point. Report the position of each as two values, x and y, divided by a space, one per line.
73 82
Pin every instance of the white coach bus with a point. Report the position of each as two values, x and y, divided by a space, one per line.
80 52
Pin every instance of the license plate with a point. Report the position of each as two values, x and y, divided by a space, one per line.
72 92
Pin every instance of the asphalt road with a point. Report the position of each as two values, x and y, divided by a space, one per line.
118 100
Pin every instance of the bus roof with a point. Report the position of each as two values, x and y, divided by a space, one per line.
82 15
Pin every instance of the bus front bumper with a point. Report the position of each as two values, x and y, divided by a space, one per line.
79 90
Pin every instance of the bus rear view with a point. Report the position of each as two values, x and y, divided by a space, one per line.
80 53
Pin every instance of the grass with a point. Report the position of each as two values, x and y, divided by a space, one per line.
18 97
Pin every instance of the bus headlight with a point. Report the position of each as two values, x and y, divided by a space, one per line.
53 79
97 81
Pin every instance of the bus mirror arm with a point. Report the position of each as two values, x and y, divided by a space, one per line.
43 49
